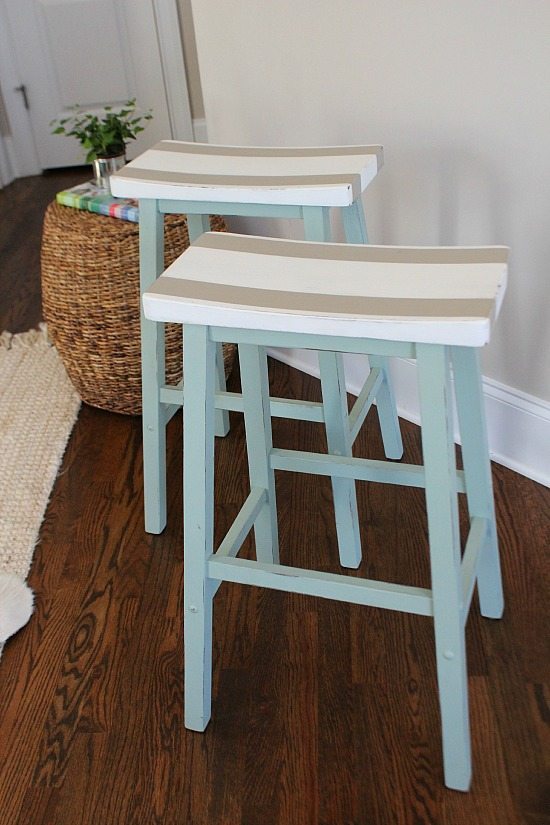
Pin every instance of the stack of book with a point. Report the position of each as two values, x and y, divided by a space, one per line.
88 196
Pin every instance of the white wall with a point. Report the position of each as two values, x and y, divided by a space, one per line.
458 93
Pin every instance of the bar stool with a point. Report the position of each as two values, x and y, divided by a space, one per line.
435 305
202 179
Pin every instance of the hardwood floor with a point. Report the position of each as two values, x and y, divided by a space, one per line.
324 713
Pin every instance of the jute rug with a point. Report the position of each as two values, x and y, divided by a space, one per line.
38 408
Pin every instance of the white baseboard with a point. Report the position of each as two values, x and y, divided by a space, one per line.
518 424
199 130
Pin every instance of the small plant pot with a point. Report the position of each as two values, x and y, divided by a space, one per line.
104 168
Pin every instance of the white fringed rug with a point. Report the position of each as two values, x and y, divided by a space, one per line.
38 408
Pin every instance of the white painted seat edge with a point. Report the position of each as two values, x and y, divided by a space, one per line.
323 195
474 332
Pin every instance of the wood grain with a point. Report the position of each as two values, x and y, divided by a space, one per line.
323 712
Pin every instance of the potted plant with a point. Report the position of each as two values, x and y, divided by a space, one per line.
104 136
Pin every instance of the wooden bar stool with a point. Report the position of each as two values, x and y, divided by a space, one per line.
203 179
435 305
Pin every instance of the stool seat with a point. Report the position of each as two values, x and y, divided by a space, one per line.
327 176
422 295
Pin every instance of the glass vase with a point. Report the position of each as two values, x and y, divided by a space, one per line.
104 168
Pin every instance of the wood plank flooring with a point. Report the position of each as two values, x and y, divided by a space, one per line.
324 713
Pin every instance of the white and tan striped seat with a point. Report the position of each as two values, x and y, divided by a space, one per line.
430 295
327 176
436 305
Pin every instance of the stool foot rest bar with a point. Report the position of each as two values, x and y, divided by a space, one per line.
436 304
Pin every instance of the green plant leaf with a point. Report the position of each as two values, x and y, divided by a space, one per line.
104 134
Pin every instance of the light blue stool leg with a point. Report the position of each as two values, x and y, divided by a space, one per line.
333 385
151 256
355 229
387 410
335 407
355 225
196 226
477 471
198 534
316 223
257 418
445 561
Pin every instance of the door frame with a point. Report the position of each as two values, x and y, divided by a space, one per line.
170 40
20 148
6 161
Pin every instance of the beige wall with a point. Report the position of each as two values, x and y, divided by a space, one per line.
458 93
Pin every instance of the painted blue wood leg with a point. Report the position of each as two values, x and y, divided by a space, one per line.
257 416
198 497
151 255
196 225
387 410
335 406
316 223
221 417
445 561
477 471
355 229
355 225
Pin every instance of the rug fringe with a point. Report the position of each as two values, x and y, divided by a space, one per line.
25 340
34 434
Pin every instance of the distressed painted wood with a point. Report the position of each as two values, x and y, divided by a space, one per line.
183 294
325 585
241 210
361 346
339 441
151 264
257 419
201 179
477 469
316 176
473 553
442 505
430 295
198 504
362 469
243 523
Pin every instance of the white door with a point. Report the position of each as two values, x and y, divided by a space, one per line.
90 52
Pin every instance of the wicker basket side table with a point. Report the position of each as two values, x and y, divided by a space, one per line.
90 301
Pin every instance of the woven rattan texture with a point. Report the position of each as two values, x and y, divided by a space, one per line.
90 300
